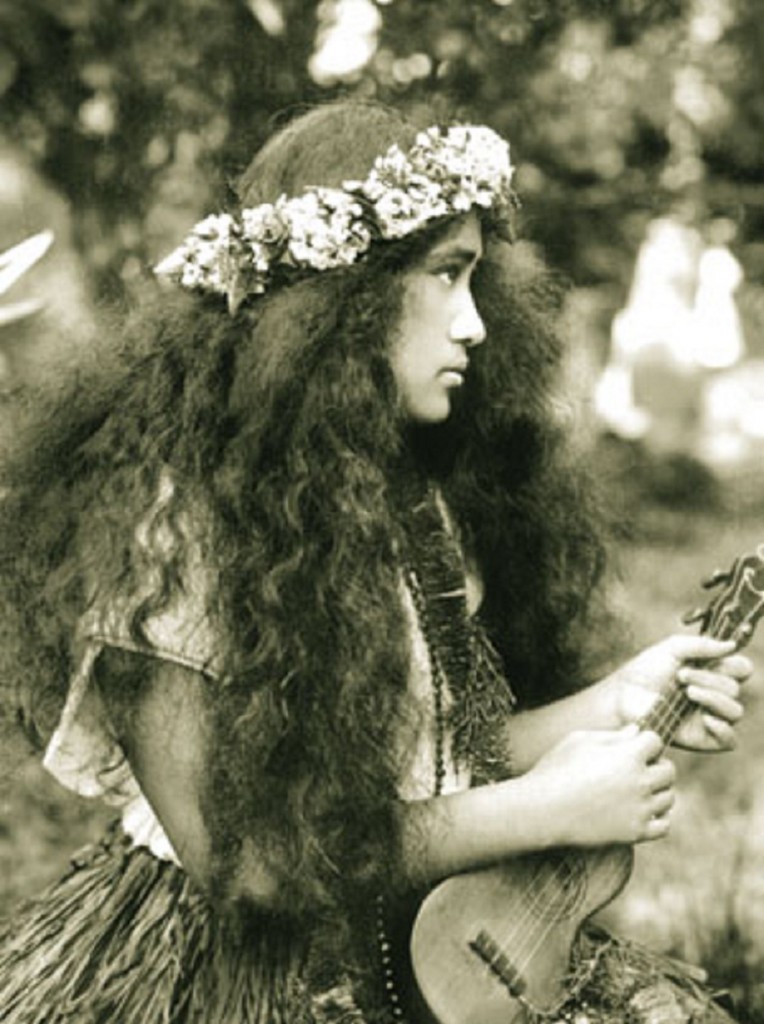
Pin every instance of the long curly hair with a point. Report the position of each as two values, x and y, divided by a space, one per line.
284 432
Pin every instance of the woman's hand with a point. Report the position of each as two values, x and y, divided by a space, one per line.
605 787
592 788
713 685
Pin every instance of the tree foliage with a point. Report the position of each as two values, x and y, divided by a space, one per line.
141 111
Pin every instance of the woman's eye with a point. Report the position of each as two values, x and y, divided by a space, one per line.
448 274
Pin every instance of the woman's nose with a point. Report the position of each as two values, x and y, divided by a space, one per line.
467 327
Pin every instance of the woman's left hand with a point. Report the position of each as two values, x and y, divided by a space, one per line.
711 673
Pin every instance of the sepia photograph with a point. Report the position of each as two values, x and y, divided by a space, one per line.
381 512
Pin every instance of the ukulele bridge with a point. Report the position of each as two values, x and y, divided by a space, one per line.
497 961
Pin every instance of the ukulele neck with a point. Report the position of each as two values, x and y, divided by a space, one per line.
732 615
667 714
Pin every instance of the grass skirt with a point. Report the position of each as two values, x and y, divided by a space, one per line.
125 938
614 980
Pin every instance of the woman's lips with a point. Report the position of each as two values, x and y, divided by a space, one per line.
453 376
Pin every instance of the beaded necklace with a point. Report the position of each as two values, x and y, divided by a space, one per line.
461 658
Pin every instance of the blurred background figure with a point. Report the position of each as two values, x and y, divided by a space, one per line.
677 380
717 331
650 388
733 396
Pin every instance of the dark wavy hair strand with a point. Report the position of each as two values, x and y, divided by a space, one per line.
283 430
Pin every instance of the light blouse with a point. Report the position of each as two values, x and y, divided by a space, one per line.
84 754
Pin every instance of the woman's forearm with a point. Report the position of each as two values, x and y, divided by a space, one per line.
463 831
530 734
471 829
592 787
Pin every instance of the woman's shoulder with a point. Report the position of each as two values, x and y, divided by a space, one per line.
161 638
165 608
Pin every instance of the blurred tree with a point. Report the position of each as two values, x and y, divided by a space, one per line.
136 109
618 110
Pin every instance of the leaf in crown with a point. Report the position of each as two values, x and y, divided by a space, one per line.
735 610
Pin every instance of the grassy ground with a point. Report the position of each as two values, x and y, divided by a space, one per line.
698 895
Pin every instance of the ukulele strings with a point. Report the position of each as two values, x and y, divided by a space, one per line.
670 710
664 718
667 717
529 930
527 945
555 876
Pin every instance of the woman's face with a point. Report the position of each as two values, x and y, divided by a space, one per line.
439 325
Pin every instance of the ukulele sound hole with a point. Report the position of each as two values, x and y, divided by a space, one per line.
557 886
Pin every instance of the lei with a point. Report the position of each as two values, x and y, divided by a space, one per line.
461 653
447 172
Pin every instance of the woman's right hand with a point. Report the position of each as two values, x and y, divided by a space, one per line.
606 787
590 789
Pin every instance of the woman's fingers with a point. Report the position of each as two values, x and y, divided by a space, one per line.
662 803
658 824
710 679
661 775
657 828
736 665
687 647
716 655
721 730
718 704
648 743
713 691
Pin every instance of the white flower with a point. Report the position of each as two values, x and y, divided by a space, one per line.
394 209
203 260
445 172
262 225
325 229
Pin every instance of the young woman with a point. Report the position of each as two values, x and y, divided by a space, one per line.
311 602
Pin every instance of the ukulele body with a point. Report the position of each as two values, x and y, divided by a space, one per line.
490 946
494 946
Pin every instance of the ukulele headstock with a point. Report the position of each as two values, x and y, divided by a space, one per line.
733 612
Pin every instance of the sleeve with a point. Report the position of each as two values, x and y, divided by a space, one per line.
83 753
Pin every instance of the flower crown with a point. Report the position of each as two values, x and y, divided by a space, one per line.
446 172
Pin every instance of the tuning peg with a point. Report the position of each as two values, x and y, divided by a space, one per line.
743 634
696 615
716 577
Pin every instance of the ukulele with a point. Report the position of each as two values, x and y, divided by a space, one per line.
494 946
